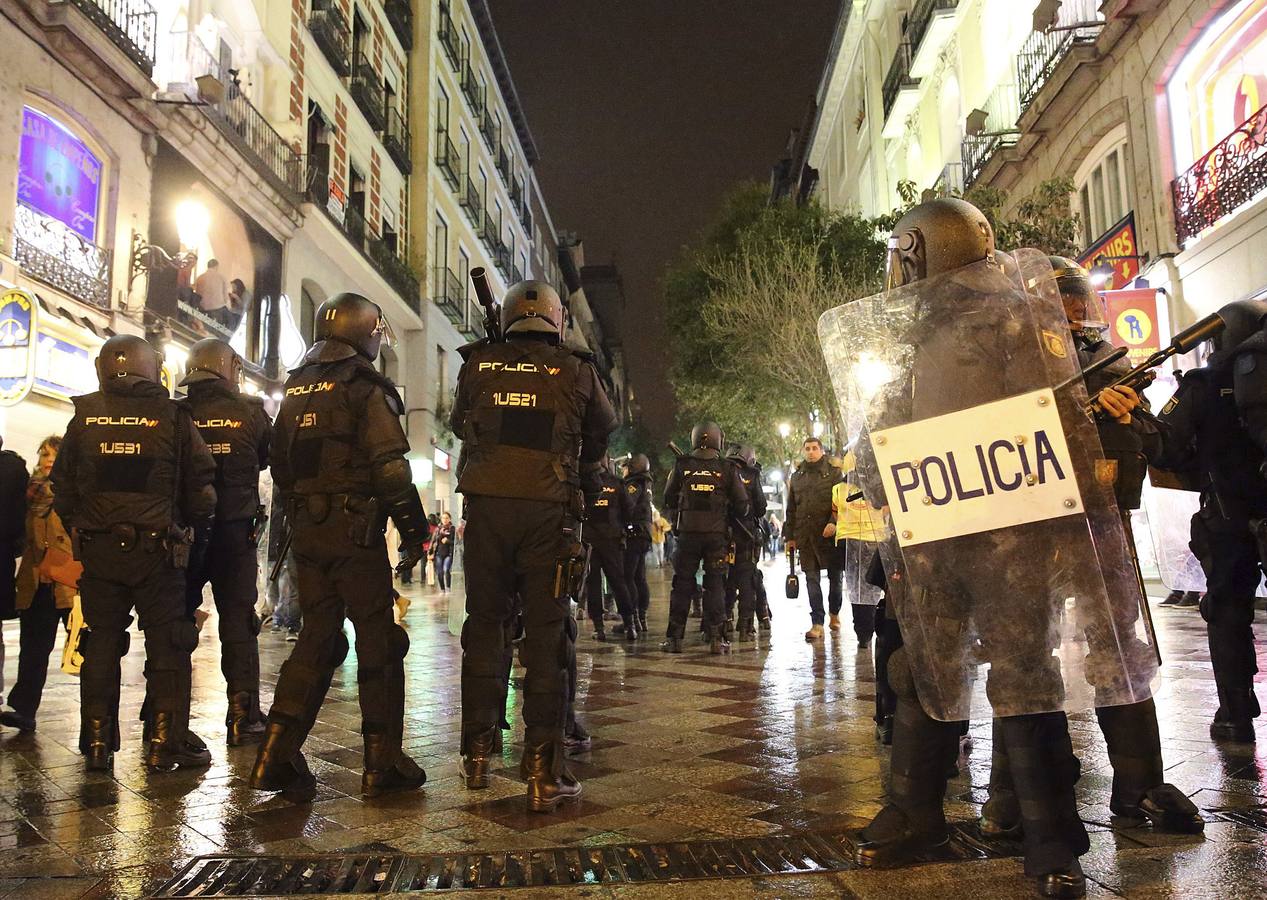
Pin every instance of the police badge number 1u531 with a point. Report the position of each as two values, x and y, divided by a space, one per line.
997 465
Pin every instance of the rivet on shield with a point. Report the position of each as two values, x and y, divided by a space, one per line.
1070 503
928 501
1042 401
1020 439
881 441
1031 479
906 535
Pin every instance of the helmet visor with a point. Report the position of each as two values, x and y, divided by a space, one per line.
894 276
383 329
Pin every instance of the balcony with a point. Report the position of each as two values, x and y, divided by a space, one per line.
525 219
395 271
473 328
447 159
929 27
470 202
1002 109
473 90
449 40
516 191
131 25
447 293
950 182
490 234
1078 23
491 131
50 252
354 227
516 275
503 164
1229 177
396 140
367 91
900 92
330 32
501 255
401 17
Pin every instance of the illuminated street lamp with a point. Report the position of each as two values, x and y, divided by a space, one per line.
784 430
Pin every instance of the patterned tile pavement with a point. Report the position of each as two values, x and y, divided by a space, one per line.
769 739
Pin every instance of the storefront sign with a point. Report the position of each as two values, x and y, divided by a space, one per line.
1118 241
17 330
57 174
337 202
63 369
1134 323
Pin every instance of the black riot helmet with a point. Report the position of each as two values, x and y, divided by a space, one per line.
532 306
1083 307
742 454
706 436
211 359
935 237
1242 320
127 354
638 464
353 320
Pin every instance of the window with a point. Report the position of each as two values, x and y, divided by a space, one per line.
464 270
464 148
483 187
1101 196
464 42
442 106
360 36
440 249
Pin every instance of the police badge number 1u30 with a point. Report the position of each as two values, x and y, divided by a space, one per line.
997 465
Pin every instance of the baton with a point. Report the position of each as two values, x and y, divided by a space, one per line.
281 554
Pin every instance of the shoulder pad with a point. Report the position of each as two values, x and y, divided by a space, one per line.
580 354
1246 363
466 350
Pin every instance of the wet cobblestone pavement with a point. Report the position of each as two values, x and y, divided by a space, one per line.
771 740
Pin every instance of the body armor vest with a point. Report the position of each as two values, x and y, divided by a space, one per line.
1122 446
228 423
318 427
127 469
704 503
522 433
602 508
1225 453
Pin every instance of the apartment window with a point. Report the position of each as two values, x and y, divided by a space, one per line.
464 42
464 270
497 205
464 148
390 239
360 36
440 248
442 106
1101 196
523 264
483 186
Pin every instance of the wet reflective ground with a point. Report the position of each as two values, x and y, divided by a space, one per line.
767 740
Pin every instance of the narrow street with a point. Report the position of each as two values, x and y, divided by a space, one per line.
773 740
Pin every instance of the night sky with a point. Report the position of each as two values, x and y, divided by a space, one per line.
645 113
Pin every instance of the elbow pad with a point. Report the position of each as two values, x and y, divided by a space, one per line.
395 489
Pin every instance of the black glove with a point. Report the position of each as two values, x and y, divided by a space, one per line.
410 556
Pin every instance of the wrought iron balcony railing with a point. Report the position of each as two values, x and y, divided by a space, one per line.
921 16
516 190
525 218
501 256
471 204
400 16
473 327
449 40
472 89
1077 22
367 91
447 159
330 31
395 271
49 251
396 140
447 293
516 275
898 77
1002 109
132 25
503 163
490 234
490 130
354 227
1230 176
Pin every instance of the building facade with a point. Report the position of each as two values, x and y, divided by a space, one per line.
1152 108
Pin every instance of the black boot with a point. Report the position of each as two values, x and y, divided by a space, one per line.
629 626
388 768
549 781
167 751
577 739
1139 792
1070 883
477 758
892 839
672 644
642 622
1001 814
600 632
97 743
279 766
242 722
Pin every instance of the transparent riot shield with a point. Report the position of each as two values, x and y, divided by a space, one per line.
1019 594
1170 515
856 557
859 531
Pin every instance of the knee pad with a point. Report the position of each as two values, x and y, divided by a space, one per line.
901 680
93 641
398 642
338 649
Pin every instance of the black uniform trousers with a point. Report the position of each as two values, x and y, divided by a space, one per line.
230 565
512 547
117 579
693 550
338 578
741 587
636 574
37 637
607 557
1229 557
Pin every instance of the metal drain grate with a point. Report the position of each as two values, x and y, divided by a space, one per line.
381 871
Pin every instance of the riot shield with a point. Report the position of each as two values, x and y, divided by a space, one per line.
1020 594
855 558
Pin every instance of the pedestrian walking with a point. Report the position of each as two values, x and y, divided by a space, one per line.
443 547
809 529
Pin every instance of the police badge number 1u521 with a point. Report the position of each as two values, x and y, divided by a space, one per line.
997 465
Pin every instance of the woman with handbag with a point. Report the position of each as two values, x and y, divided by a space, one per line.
48 579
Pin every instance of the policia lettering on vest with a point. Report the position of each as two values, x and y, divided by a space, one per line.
534 420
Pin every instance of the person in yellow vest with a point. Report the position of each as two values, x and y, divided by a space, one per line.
858 529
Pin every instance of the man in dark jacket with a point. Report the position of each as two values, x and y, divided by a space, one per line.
638 534
132 481
606 507
13 481
809 529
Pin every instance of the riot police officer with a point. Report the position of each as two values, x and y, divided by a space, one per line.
237 431
702 496
741 587
637 485
1131 438
534 421
1217 423
338 458
132 480
606 508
